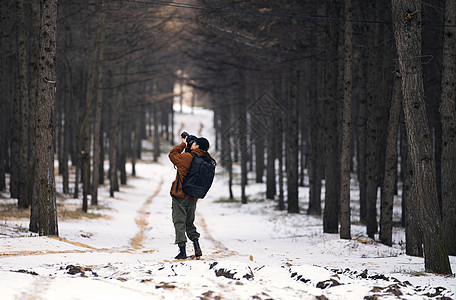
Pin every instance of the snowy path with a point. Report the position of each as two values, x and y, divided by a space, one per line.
249 251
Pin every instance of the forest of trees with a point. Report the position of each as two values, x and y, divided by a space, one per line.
317 93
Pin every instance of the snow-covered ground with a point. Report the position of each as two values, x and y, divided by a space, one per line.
250 251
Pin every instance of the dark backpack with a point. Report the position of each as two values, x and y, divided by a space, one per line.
199 177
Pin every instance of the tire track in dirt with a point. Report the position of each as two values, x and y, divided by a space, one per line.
63 240
221 250
136 242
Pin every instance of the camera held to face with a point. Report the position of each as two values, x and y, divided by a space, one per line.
190 138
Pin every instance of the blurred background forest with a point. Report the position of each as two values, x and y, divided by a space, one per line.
313 93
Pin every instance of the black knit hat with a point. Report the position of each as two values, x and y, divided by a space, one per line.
202 143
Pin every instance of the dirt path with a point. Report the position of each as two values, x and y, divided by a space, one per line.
136 242
220 251
141 220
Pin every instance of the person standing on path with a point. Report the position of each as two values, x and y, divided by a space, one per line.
183 205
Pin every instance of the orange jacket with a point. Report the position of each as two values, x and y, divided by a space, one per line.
182 162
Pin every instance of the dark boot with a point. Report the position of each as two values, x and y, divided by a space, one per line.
182 254
197 247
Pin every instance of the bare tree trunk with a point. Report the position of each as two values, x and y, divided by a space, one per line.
361 124
70 117
270 165
98 105
33 104
292 139
23 176
272 147
2 143
413 234
125 142
315 137
6 81
114 138
66 149
171 112
389 180
448 115
281 205
156 125
136 145
259 156
406 15
34 51
15 121
44 171
226 142
113 144
101 172
242 131
345 159
332 159
3 39
371 166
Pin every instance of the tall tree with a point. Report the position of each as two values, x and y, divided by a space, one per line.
448 119
345 159
413 234
98 105
406 16
242 133
292 141
44 195
332 159
371 166
389 180
23 102
315 140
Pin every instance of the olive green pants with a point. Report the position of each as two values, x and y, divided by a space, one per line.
183 212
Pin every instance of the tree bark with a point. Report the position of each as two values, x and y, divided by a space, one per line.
406 15
413 234
293 141
98 106
125 143
315 137
345 159
114 142
242 131
259 158
371 166
270 164
361 151
332 159
66 148
3 29
44 162
281 205
2 143
6 81
156 127
448 119
389 180
23 176
34 75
